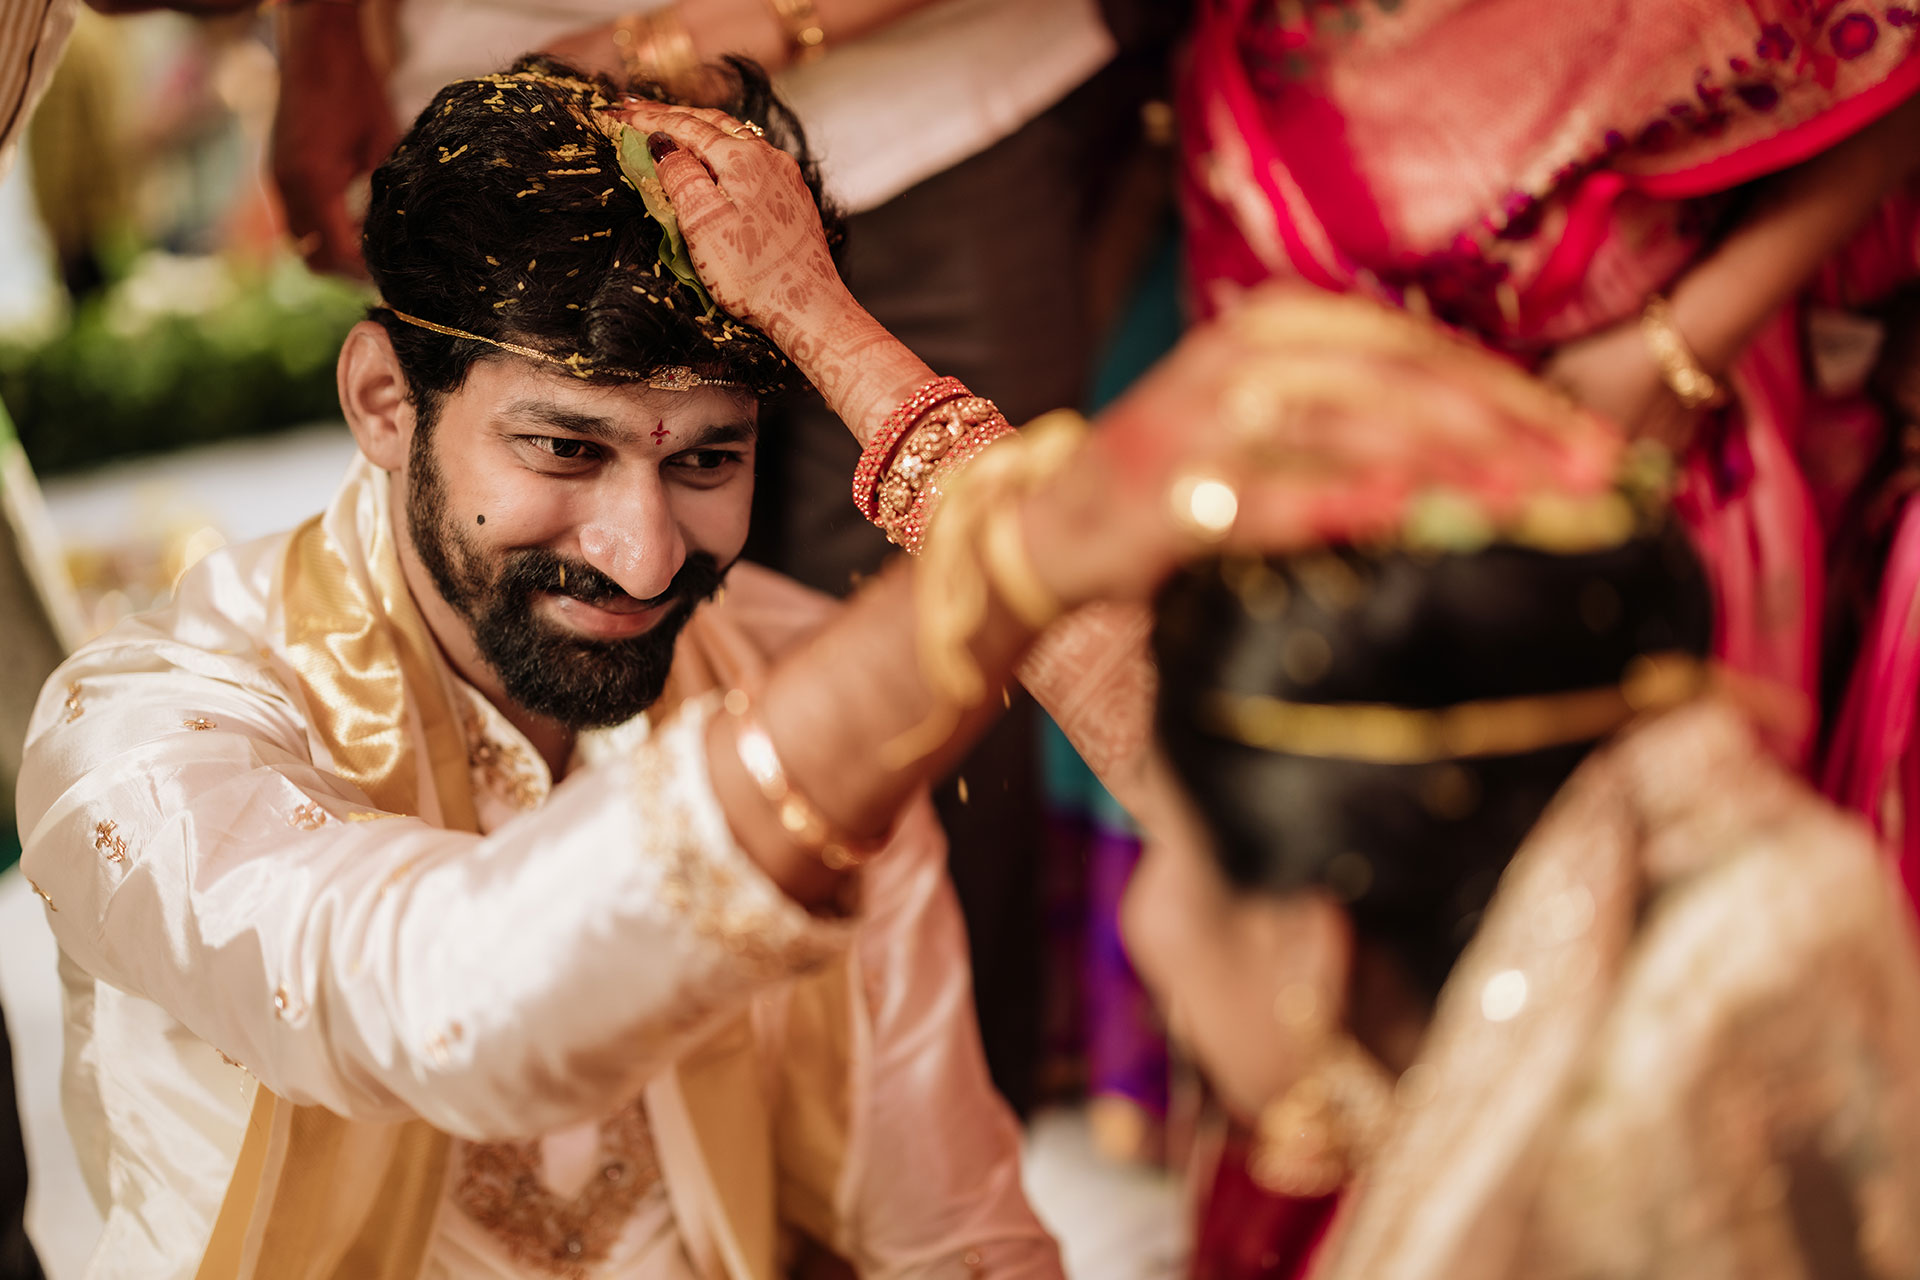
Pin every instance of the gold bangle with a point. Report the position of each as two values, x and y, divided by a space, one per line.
656 46
802 822
806 38
951 589
1003 549
1691 384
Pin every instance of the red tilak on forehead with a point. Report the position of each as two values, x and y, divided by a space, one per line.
660 432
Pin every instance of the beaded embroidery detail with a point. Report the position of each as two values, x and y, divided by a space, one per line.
107 842
504 769
499 1187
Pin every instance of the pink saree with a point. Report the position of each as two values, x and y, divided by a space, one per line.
1530 173
1531 180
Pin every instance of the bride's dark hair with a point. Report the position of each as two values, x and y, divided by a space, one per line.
1414 849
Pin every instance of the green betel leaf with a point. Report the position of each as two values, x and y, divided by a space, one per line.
636 166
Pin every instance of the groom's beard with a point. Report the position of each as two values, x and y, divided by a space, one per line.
581 682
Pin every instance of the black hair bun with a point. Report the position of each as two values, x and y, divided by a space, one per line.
1414 849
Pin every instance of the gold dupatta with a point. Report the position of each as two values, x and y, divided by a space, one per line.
316 1196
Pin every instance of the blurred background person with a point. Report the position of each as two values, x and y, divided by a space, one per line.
1671 232
31 39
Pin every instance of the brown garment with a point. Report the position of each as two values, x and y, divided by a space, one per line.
977 269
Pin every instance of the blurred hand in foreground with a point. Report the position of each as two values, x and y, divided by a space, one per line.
332 127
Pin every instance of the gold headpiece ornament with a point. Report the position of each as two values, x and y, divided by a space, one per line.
1379 733
672 377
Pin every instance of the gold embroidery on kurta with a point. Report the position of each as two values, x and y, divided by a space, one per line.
199 724
504 769
499 1187
707 893
104 839
308 817
438 1046
42 895
74 706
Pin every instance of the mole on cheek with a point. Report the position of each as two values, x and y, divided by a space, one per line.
479 519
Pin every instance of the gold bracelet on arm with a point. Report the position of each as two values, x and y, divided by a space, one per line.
1690 383
1003 554
656 46
799 818
977 552
806 38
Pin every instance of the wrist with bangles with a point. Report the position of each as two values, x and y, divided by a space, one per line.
938 428
655 46
798 816
1680 368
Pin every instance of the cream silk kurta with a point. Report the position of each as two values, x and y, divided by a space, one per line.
231 910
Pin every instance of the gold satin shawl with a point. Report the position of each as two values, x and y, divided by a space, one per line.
315 1196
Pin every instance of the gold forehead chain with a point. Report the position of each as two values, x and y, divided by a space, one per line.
672 377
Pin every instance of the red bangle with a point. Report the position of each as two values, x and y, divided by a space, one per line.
879 451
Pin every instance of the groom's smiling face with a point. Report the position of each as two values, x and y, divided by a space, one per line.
574 526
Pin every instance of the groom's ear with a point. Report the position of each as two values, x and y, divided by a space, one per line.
373 396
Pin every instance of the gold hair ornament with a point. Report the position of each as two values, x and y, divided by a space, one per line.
672 377
1379 733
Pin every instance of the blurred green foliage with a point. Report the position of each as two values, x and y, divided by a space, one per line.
179 352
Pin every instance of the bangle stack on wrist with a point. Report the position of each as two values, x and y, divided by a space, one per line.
656 46
1691 384
799 817
937 429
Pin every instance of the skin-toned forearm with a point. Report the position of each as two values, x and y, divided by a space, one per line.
753 28
834 709
1807 214
861 371
748 27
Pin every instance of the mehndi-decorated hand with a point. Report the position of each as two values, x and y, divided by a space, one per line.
748 217
755 239
1329 419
